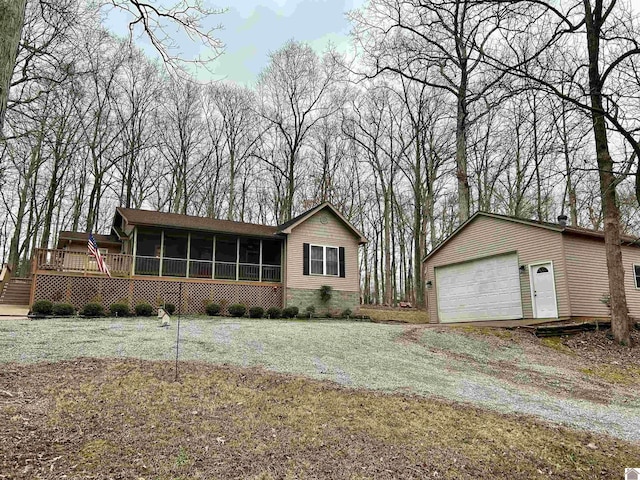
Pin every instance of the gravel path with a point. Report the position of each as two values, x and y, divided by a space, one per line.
454 366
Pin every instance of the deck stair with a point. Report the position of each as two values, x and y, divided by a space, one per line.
17 291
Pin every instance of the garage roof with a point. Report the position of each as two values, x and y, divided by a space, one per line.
533 223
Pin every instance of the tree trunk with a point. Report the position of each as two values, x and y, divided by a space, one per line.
620 323
387 246
571 190
464 205
11 22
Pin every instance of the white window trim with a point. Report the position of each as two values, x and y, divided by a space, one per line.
636 277
324 260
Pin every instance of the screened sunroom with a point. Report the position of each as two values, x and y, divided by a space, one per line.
175 253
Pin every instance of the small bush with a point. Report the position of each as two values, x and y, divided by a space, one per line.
119 309
92 310
325 293
212 309
170 308
311 309
290 312
346 313
144 310
42 307
63 309
274 312
256 312
237 310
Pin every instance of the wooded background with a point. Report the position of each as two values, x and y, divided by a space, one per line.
447 107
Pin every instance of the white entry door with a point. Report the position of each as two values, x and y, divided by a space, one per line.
543 290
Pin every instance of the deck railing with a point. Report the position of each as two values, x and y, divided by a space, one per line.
120 265
79 262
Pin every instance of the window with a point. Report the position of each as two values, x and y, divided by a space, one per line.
250 251
323 260
201 247
317 260
226 249
636 274
148 244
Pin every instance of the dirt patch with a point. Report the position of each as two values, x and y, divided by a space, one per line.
391 314
410 335
99 419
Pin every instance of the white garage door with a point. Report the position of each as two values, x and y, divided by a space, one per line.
485 289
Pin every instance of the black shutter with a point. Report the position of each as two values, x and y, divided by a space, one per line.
305 259
341 257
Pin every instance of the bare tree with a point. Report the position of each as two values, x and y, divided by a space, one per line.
296 91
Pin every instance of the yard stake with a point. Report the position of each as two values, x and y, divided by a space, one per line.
177 347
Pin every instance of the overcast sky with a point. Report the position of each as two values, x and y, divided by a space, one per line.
253 28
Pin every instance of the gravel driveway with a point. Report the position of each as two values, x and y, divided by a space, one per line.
508 375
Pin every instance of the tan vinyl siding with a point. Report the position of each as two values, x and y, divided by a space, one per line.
333 233
81 246
487 236
588 280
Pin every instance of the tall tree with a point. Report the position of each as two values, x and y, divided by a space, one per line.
296 91
603 40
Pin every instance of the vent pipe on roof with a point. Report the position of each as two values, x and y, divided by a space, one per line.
562 220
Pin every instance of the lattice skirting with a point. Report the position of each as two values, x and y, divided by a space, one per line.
188 297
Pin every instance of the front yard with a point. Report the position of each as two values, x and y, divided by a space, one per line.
464 402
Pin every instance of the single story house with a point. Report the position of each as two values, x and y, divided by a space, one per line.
496 267
158 257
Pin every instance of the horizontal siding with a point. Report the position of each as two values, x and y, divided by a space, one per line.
588 279
81 246
332 233
487 236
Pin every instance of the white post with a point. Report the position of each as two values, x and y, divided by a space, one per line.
260 272
188 251
213 259
238 259
134 250
161 252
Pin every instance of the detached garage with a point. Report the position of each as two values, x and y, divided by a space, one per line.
495 267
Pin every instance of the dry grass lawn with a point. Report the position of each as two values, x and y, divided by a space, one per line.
101 418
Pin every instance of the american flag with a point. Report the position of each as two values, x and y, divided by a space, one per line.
93 250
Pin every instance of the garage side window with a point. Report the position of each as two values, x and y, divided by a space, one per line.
636 275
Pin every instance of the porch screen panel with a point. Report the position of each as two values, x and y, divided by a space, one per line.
249 259
271 260
148 252
201 256
174 261
226 257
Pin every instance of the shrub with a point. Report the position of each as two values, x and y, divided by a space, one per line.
311 309
144 310
212 309
237 310
42 307
63 309
119 309
289 312
325 293
92 310
346 313
274 312
256 312
170 308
